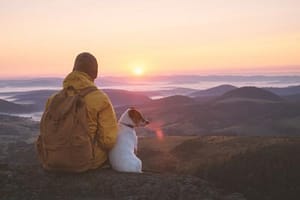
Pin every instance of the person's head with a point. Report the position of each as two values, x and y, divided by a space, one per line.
86 62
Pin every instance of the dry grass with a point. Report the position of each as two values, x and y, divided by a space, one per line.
259 167
156 153
189 154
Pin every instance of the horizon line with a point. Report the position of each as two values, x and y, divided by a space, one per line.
291 74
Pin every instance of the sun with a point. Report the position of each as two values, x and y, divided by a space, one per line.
138 71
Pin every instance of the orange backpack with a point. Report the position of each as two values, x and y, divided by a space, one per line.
64 143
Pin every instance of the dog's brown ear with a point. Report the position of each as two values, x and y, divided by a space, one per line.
135 115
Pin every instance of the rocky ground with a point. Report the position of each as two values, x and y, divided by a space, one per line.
21 176
31 182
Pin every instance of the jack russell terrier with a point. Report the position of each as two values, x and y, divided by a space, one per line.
123 157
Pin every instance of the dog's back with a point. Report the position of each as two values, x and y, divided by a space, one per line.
122 157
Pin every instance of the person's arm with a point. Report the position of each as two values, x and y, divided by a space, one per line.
49 100
107 125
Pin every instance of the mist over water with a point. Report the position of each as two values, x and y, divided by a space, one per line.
152 83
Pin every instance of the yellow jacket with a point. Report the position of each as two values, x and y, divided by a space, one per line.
101 116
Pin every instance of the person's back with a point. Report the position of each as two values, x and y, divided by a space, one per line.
101 119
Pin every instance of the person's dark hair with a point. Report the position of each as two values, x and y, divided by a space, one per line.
86 62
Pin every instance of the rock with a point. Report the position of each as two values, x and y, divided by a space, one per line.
235 196
31 182
21 177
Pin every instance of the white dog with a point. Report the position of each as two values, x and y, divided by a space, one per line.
122 157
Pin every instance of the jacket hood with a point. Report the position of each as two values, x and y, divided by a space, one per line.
78 80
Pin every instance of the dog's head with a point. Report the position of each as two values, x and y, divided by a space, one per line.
134 118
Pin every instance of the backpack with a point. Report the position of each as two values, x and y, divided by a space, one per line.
64 143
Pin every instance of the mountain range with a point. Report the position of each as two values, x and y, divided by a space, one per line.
222 110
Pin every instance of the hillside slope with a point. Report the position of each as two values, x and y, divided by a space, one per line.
259 167
250 93
10 107
230 118
215 91
285 91
34 101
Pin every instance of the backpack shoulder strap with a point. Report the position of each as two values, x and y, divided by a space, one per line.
87 90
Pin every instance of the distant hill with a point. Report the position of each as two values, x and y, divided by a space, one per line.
215 91
285 91
9 107
222 89
37 99
293 98
250 93
183 116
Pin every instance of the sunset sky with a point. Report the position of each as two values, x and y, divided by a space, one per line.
42 37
